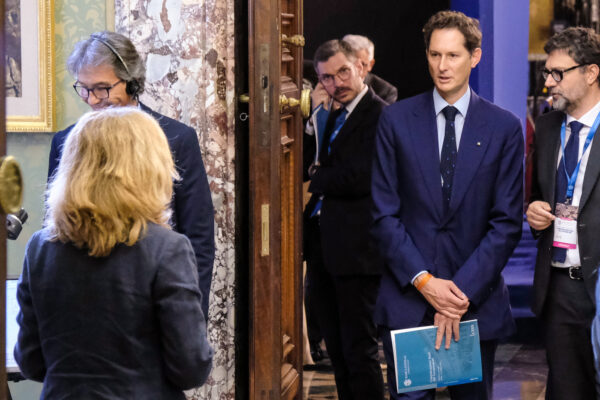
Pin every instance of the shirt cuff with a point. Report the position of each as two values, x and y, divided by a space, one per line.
412 281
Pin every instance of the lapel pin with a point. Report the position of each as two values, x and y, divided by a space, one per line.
478 143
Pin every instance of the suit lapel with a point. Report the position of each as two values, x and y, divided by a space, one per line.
549 174
592 171
423 131
471 150
352 122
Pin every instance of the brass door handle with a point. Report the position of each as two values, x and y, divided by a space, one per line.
285 102
244 98
296 40
11 185
304 102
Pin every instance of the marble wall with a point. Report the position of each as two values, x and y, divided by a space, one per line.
188 46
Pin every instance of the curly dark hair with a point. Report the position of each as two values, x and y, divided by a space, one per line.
581 44
468 26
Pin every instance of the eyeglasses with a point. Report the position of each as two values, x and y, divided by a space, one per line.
101 92
557 74
343 73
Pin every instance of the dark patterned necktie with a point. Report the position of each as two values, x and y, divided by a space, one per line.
340 118
448 157
568 161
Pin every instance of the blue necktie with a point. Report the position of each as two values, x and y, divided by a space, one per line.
568 160
448 156
337 125
340 118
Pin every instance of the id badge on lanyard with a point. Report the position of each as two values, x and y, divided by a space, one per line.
565 224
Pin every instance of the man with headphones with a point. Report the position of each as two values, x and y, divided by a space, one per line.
109 72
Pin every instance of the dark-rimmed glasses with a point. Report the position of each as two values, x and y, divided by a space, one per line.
557 74
343 73
101 92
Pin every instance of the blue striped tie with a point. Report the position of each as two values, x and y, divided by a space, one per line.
568 160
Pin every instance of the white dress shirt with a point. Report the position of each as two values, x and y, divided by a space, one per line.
587 120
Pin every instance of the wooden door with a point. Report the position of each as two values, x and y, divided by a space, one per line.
275 190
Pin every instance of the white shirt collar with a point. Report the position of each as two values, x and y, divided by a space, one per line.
588 118
352 105
461 104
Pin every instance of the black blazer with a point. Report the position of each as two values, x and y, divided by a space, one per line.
344 178
382 88
545 158
125 326
193 213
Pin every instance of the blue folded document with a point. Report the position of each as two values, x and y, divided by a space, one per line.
420 366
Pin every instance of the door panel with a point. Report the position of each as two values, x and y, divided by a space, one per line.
275 197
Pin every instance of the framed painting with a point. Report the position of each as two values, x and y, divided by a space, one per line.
29 65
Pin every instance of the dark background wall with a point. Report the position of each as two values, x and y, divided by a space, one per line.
393 25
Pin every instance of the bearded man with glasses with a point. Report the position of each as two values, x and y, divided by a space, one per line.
564 212
109 72
343 271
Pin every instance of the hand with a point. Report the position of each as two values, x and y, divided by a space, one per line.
320 96
446 327
539 215
445 297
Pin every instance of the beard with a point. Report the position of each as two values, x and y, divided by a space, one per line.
560 104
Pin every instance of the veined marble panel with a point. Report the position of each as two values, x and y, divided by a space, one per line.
188 46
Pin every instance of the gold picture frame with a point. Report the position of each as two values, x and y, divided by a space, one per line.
33 109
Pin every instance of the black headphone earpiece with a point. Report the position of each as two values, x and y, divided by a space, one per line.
132 87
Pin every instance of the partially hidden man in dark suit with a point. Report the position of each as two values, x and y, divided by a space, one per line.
447 193
568 247
341 262
110 72
382 88
365 52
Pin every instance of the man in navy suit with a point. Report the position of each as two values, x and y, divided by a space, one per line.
447 192
565 178
111 73
342 266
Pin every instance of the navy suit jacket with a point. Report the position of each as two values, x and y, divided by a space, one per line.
125 326
344 178
471 243
193 213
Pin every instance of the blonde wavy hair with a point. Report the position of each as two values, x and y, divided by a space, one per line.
115 176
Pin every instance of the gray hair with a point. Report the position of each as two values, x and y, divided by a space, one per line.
330 48
112 49
359 42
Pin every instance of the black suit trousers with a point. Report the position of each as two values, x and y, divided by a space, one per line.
567 321
344 307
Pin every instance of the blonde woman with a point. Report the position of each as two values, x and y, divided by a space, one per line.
110 305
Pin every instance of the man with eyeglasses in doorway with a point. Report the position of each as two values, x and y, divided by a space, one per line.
342 265
564 212
109 72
